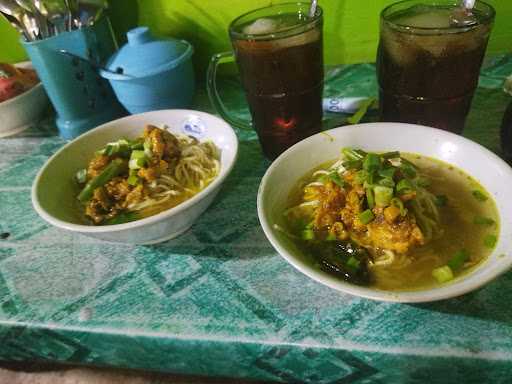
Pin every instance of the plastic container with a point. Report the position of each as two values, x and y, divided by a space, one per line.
81 98
148 74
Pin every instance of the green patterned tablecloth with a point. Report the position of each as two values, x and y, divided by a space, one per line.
219 300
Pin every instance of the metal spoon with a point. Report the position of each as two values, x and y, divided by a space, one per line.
312 9
73 18
12 8
55 11
17 25
463 16
39 18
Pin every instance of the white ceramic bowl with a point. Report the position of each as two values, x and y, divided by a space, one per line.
54 195
20 112
493 173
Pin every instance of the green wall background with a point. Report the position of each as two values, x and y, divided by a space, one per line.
351 26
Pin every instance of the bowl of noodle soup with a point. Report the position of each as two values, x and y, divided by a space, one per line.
390 211
141 179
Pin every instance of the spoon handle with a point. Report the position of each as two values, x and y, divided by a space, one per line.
312 9
469 4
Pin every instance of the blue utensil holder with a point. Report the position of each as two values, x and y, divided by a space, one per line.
81 98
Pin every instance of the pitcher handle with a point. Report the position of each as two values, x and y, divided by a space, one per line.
213 93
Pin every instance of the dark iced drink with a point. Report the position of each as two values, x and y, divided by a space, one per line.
281 67
429 60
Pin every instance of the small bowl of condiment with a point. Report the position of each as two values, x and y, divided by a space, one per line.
148 74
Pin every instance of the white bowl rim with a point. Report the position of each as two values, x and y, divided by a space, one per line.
224 172
411 296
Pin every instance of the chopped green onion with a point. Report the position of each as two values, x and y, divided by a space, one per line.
136 144
137 163
404 186
352 154
409 163
352 164
336 179
370 177
383 196
137 154
388 172
408 170
490 241
386 182
366 216
360 152
441 200
371 163
360 177
148 148
370 198
307 234
133 179
443 274
400 205
482 220
353 263
81 176
114 168
458 260
120 147
331 237
390 155
480 196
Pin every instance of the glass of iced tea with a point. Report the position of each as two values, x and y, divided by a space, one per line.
429 60
278 50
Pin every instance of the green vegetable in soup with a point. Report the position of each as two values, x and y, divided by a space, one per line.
113 169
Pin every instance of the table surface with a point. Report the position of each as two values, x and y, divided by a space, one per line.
219 300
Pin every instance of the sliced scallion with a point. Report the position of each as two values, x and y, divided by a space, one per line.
352 154
458 260
490 241
443 274
388 172
307 234
383 196
353 263
352 164
482 220
336 179
370 198
390 155
479 195
404 186
331 237
371 163
366 216
400 205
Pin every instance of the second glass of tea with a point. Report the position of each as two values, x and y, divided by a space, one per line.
279 54
429 60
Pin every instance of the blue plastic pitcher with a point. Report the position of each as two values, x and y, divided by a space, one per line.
82 99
